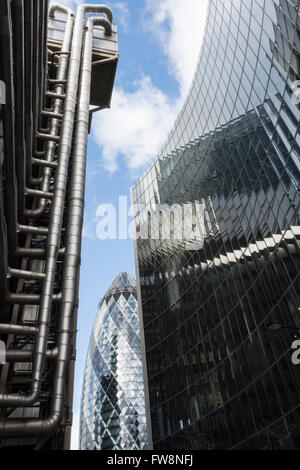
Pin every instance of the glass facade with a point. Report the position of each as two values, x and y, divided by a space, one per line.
113 408
217 378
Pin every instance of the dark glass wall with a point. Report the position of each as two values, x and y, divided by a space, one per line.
217 378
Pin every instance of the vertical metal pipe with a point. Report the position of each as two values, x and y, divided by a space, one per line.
74 225
60 8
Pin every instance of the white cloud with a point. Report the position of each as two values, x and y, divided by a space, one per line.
87 231
138 122
179 27
135 126
121 14
75 431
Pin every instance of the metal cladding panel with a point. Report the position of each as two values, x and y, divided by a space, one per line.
104 43
101 43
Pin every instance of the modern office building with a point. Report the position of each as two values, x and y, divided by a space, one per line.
52 67
113 415
217 377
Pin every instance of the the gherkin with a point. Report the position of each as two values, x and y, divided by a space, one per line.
113 409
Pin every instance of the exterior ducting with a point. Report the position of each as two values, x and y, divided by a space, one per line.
53 239
63 243
56 7
52 137
13 355
18 329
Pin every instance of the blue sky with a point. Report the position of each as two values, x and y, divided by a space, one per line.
159 43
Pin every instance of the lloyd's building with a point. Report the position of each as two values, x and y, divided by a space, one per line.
54 64
219 320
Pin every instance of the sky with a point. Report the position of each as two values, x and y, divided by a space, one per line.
159 45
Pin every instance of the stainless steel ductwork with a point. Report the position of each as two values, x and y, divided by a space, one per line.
57 107
56 7
42 295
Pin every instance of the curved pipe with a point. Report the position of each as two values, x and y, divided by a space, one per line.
99 21
30 427
60 8
18 427
94 8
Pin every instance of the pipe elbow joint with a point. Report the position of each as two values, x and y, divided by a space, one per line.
94 8
61 9
100 21
19 427
19 400
50 425
35 213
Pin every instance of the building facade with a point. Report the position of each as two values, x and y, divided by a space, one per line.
53 65
113 413
217 377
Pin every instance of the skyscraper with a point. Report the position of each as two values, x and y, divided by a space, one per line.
217 377
113 408
53 66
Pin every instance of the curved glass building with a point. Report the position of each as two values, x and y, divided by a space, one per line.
113 408
217 377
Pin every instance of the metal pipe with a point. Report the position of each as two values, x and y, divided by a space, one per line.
29 299
17 427
61 74
74 226
54 81
56 96
106 60
54 53
48 137
21 274
33 230
106 24
37 161
38 193
18 329
36 253
17 355
51 114
60 8
94 8
52 137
